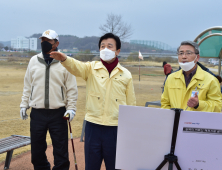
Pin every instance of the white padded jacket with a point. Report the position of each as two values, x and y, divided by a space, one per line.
48 86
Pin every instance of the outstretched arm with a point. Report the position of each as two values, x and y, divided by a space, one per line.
75 67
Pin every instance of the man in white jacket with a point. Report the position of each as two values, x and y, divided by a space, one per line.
51 91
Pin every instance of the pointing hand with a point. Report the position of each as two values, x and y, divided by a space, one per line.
58 56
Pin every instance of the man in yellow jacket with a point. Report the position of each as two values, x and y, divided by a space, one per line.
191 87
108 85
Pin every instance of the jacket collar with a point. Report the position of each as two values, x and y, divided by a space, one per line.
41 59
199 74
119 67
40 55
100 65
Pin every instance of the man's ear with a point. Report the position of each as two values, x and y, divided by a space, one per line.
198 57
117 52
57 43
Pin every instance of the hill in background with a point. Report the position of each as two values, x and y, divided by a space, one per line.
71 42
74 44
6 43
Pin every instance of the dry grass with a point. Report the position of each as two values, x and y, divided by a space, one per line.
11 87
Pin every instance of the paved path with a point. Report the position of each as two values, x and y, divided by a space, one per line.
23 161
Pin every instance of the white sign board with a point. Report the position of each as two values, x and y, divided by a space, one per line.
144 137
199 141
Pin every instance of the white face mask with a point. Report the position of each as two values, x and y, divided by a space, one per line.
107 55
188 65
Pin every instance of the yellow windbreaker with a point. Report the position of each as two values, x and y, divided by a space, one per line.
176 95
104 92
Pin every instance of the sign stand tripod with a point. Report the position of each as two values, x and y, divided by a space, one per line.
171 158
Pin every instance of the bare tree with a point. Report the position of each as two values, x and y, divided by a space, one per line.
115 25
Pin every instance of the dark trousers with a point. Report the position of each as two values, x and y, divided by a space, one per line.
100 143
52 120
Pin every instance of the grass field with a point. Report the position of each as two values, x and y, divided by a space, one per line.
11 77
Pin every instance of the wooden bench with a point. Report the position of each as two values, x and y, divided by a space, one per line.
157 103
10 143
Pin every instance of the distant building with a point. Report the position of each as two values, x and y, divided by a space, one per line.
23 43
75 49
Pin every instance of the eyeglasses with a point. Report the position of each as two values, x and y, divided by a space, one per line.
189 53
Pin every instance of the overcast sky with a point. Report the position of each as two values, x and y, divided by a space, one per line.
168 21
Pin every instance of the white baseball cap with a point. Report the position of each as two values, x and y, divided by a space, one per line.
50 34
